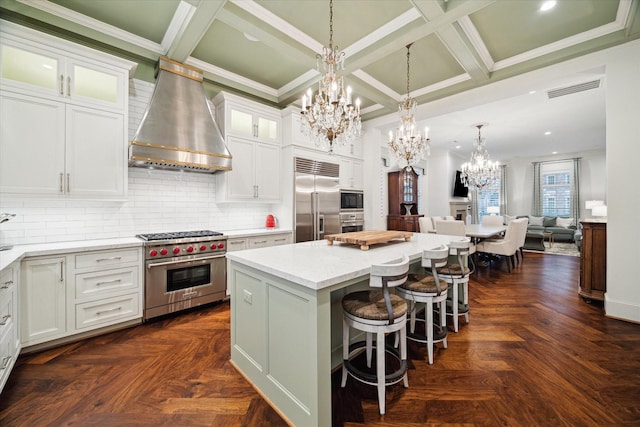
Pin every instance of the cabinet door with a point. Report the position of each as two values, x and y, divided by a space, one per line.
32 138
30 68
95 84
240 180
42 300
249 123
95 154
267 172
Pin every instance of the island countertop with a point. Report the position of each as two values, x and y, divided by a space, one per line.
317 265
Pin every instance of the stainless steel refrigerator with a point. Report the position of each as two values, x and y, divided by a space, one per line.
317 199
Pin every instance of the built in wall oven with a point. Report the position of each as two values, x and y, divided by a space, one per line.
351 200
351 221
183 270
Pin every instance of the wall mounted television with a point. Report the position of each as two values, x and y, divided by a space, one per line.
459 189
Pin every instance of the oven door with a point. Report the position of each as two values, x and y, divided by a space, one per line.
350 227
179 284
351 200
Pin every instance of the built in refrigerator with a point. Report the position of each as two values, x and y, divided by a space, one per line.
317 199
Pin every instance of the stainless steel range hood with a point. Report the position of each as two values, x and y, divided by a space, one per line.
178 130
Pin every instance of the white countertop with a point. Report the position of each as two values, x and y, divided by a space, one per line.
38 249
317 265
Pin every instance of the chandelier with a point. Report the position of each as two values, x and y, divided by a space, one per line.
479 171
329 118
408 146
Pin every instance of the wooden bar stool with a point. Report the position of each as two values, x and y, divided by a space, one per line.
377 312
457 276
426 288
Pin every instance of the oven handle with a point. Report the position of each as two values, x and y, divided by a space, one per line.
158 264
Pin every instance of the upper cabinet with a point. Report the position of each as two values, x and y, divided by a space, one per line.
351 174
63 117
252 133
247 119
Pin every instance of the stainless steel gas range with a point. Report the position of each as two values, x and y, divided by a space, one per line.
183 270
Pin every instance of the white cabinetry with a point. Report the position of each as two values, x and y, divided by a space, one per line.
267 240
43 300
63 117
66 295
239 244
351 174
252 134
9 338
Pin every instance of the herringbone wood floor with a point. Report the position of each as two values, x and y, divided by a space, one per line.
533 354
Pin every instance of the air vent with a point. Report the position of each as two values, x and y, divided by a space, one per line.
554 93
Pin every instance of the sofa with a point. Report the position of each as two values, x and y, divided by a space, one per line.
563 229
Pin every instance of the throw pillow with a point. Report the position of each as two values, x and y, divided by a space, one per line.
564 222
536 220
549 221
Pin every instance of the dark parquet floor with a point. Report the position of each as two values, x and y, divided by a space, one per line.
533 354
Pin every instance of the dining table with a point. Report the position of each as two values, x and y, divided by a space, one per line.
479 231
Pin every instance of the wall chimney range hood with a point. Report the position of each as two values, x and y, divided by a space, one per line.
178 131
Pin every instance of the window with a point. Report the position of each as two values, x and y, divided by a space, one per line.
556 194
488 196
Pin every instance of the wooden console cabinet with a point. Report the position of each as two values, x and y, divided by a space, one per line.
593 260
403 201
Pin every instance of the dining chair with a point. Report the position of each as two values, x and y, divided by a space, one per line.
454 228
426 225
492 220
505 247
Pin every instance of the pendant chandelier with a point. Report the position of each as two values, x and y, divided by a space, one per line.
408 146
479 172
329 118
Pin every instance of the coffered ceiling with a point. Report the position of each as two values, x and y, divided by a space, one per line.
266 49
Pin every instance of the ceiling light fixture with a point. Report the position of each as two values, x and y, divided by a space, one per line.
408 146
548 5
329 118
479 171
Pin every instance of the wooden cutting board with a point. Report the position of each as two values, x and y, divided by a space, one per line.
368 238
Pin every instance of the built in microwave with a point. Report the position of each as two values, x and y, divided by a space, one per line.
351 200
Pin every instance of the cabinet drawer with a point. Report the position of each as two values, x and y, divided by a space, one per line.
7 314
98 283
106 258
236 245
8 354
107 311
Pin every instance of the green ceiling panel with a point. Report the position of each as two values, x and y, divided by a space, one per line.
148 19
512 27
221 44
430 63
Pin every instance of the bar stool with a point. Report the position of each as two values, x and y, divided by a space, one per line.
377 312
426 288
457 275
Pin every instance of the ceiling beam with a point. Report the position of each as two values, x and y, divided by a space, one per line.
194 28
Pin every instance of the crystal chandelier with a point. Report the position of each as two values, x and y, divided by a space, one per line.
329 118
408 146
479 171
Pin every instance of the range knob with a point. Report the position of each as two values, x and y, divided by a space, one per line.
221 245
163 251
190 249
213 246
203 247
176 251
153 253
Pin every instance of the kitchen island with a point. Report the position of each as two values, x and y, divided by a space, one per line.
286 318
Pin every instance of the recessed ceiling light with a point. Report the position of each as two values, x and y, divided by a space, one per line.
458 147
250 37
547 133
531 92
548 5
554 152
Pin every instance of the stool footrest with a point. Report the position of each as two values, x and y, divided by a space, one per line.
439 334
372 379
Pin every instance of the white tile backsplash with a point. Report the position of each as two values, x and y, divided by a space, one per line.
158 201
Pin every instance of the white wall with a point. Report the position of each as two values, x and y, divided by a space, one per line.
158 201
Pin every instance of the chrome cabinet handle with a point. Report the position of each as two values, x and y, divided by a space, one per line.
260 242
109 259
111 310
5 363
4 320
108 282
60 182
61 84
68 183
61 271
68 86
7 284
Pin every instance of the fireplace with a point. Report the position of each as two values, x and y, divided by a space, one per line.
459 210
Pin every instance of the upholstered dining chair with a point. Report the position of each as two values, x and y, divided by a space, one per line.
492 220
426 225
454 228
506 247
